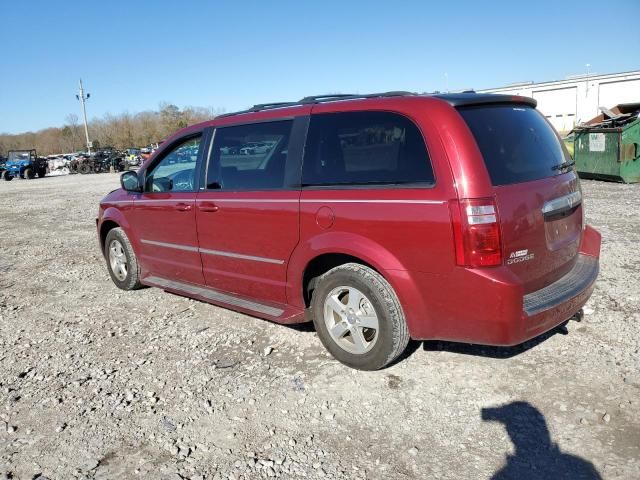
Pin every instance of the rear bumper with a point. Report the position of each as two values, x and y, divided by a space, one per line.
555 303
582 276
489 306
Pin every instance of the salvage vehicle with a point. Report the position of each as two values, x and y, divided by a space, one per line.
24 164
381 218
98 162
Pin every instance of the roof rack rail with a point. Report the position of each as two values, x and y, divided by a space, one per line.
313 99
351 96
327 98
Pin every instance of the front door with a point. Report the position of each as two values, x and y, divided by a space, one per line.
165 214
247 213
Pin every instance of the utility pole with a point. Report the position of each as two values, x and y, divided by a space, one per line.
83 98
588 65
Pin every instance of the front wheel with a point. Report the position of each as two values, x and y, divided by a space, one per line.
42 172
358 317
121 260
28 174
7 176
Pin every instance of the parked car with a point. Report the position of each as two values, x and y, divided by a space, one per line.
380 217
256 148
24 164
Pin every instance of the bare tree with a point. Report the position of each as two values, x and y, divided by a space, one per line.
74 127
119 131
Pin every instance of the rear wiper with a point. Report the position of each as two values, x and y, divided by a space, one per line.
561 166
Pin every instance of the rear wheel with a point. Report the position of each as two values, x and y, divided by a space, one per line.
358 317
28 174
7 176
121 260
84 169
42 172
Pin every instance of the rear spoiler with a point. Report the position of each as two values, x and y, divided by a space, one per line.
468 99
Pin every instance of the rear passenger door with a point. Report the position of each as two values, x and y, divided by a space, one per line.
367 176
247 210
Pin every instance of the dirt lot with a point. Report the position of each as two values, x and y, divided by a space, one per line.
100 383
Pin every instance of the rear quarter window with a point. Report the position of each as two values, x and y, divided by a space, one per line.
365 148
516 142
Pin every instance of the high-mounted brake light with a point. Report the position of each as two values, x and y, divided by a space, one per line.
476 232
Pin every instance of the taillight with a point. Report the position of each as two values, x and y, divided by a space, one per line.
476 231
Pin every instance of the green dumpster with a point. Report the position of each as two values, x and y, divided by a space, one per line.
609 149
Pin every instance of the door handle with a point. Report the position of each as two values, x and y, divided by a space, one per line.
183 207
208 207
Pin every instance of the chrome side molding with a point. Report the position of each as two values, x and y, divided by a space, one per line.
220 253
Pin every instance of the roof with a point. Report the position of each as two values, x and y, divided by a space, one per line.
453 99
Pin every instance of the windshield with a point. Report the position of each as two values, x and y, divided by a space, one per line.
15 156
517 143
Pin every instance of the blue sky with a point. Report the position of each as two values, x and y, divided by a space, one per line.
133 55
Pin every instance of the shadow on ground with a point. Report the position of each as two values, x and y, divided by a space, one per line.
486 350
455 347
535 456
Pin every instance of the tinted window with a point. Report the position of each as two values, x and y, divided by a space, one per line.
517 143
175 172
360 148
250 157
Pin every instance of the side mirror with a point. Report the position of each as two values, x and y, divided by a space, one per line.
130 182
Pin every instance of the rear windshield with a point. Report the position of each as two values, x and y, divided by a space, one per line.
517 143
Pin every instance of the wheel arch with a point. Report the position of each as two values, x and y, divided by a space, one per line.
319 255
113 218
320 265
105 227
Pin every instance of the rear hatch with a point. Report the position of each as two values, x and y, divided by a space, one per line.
537 191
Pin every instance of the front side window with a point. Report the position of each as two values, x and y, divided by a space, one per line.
365 148
249 157
176 171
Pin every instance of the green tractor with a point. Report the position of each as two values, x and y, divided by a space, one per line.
24 164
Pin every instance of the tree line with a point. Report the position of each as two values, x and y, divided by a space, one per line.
117 131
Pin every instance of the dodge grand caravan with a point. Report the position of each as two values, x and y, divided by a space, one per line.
380 217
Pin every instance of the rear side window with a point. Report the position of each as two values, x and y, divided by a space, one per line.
250 157
365 148
516 142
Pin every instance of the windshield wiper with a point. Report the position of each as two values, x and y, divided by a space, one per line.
561 166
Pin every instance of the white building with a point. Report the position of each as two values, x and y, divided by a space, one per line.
577 99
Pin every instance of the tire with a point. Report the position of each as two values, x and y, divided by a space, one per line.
84 169
28 174
42 172
7 176
118 240
383 344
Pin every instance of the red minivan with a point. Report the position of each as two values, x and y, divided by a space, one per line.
380 217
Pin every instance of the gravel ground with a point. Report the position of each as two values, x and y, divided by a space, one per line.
98 383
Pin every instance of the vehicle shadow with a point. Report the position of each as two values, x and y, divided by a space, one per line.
536 456
455 347
489 351
461 348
